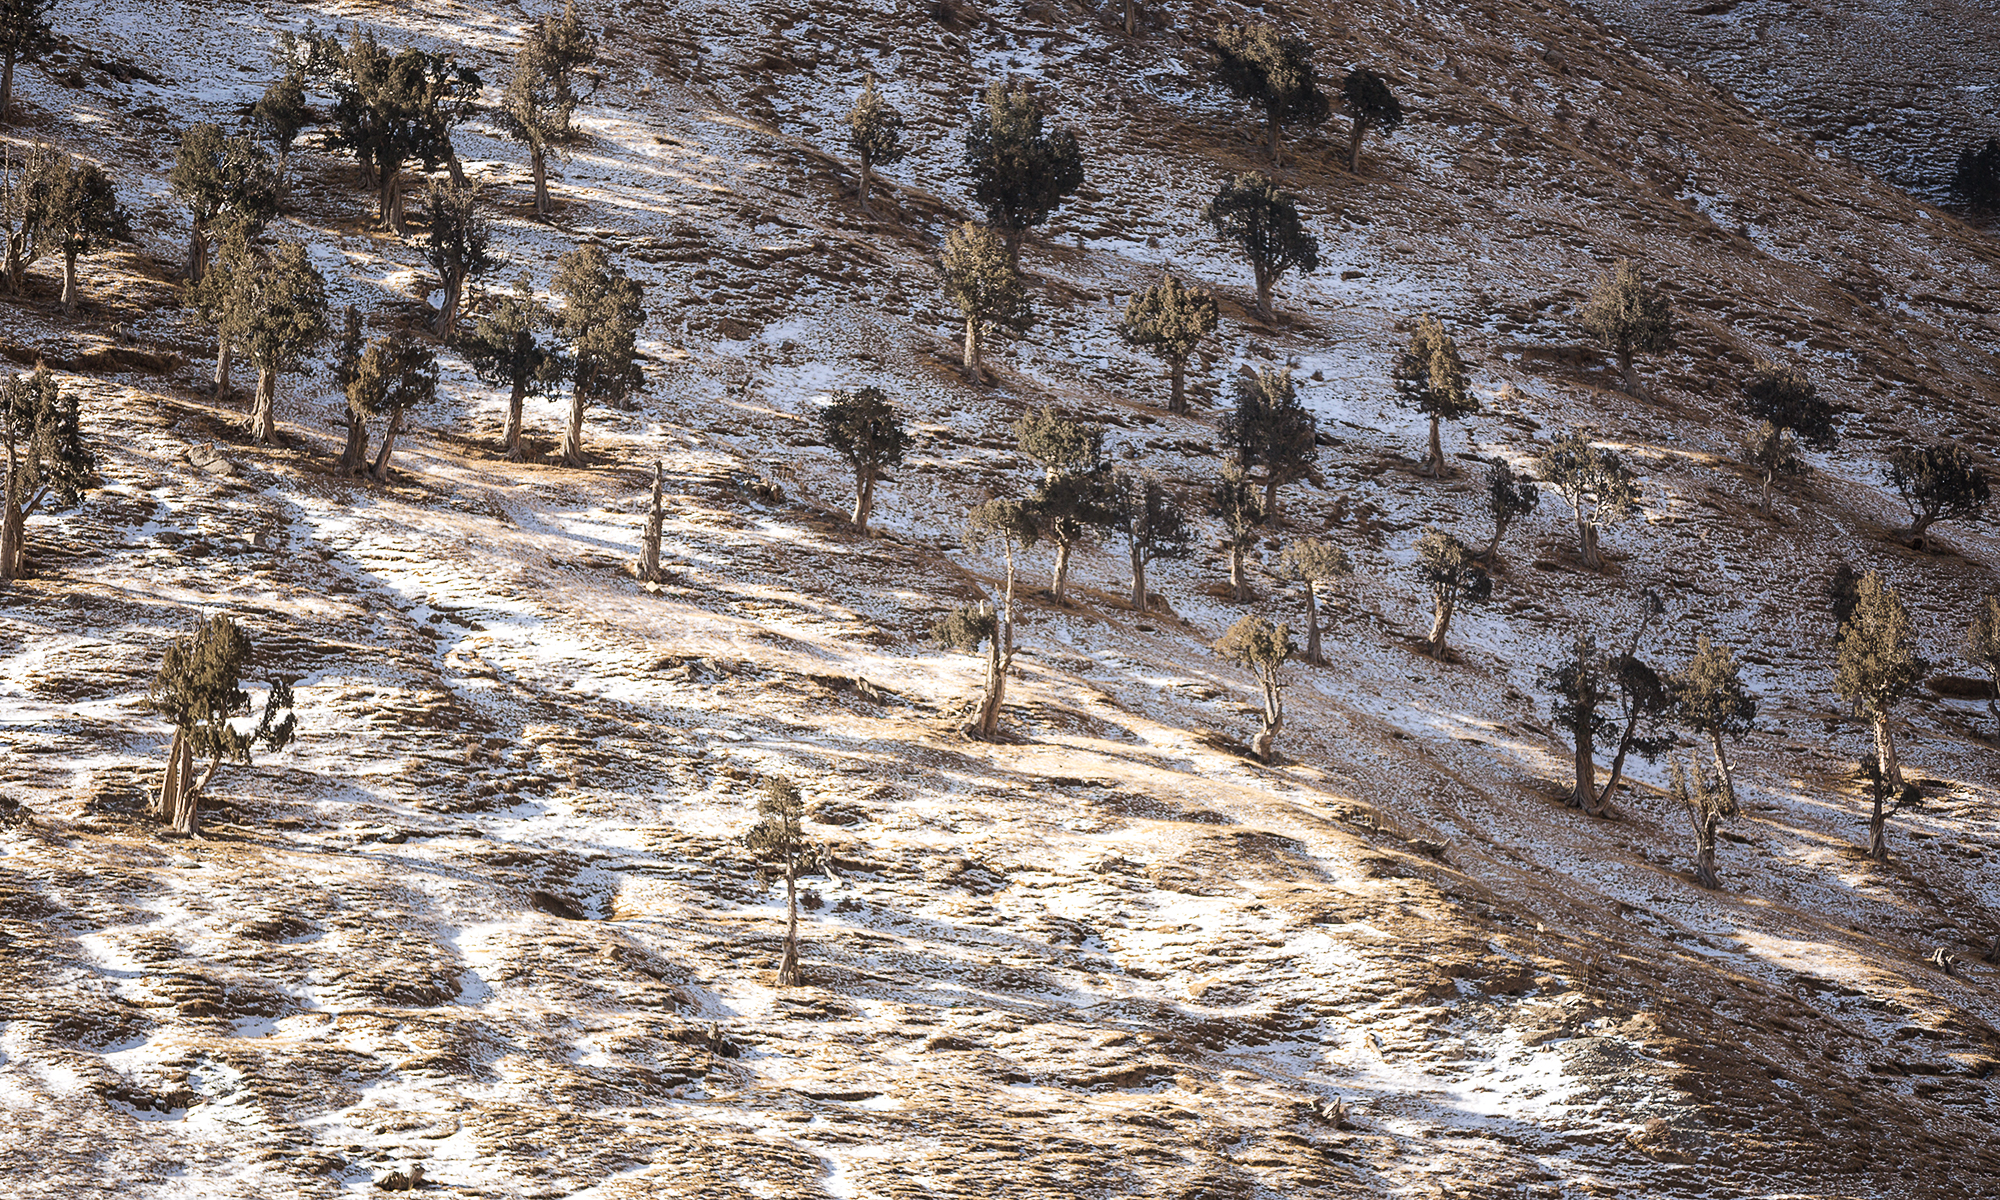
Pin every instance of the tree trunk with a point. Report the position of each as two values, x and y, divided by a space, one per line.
1618 764
1354 144
452 164
1313 654
1722 767
1493 547
1177 398
284 178
223 353
514 403
167 806
1277 148
7 85
1138 577
1271 494
1238 581
13 536
538 162
263 414
17 271
447 319
1704 853
1585 794
864 498
1885 755
197 263
1625 372
69 281
1060 584
996 684
1878 825
1129 14
972 350
1922 522
380 471
1434 467
572 446
391 200
649 545
789 974
1586 534
864 181
1274 719
1441 625
1764 505
355 453
1264 285
179 795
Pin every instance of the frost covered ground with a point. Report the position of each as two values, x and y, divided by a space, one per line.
490 916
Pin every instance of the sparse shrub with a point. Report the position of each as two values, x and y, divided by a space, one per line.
1431 378
1317 565
1250 213
1771 452
1169 321
1595 483
1270 429
199 689
1272 71
779 844
875 134
1257 645
1631 317
1508 497
980 278
863 428
506 349
1877 668
539 105
221 179
1707 802
1073 500
47 463
1238 504
1153 523
1021 172
1938 482
1369 102
1451 572
602 310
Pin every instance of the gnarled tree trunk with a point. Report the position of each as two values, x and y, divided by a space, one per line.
972 372
1885 754
1313 654
354 454
1354 144
1274 718
1434 466
864 497
380 471
649 544
1704 852
69 281
1059 584
572 446
538 162
1177 403
1239 580
224 354
1440 626
789 974
865 172
1584 795
1138 577
263 414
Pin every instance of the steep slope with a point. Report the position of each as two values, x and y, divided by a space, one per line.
489 915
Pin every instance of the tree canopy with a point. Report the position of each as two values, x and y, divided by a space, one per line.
1168 321
1431 378
1631 317
1938 482
1272 71
602 310
1021 171
1368 100
1252 214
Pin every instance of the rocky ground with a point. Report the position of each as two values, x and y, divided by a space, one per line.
490 916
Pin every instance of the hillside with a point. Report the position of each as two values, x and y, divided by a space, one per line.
491 913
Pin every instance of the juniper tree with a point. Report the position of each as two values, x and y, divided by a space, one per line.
779 843
1317 565
457 247
395 373
1771 452
47 462
1257 645
649 542
599 321
1251 213
1877 667
1269 429
1073 500
1153 523
1982 637
347 352
1938 482
1595 483
1169 321
1786 397
1239 505
979 277
1975 182
1578 686
1841 591
276 314
25 35
1708 802
20 210
221 179
1431 378
863 428
212 299
1645 702
280 115
452 97
539 105
386 113
965 629
198 688
1450 572
1508 497
1272 71
1889 799
875 134
1710 697
75 208
1368 101
1631 317
506 348
1021 173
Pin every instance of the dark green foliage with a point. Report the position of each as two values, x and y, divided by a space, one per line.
210 299
1630 317
457 246
1710 697
875 134
198 689
863 428
1878 666
47 464
980 278
1842 592
1315 564
602 310
967 628
778 843
1787 398
25 34
1021 173
540 102
1271 430
221 179
1168 321
281 114
1239 505
1431 378
1772 452
1369 102
1262 648
394 373
1982 638
1508 497
1073 500
1250 213
1272 71
275 312
347 352
70 206
1594 481
506 349
1938 482
1581 684
1975 183
1153 523
1578 687
393 109
1450 572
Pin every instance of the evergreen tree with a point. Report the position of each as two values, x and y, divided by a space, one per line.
779 844
649 542
1262 648
1508 497
1878 667
1270 429
1975 183
1239 505
1578 687
452 98
1982 637
1253 215
1317 565
539 106
506 349
1710 697
1009 523
1631 317
600 317
1431 378
1708 802
347 352
25 35
1153 523
1021 173
211 299
280 115
1771 452
199 689
1842 591
276 313
1788 399
75 209
386 112
1369 102
1272 71
21 196
980 278
1939 482
875 134
1450 571
395 373
1595 483
47 462
1889 799
221 179
1169 321
863 428
457 247
1073 500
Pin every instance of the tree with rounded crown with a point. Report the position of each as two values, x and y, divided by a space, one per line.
1710 697
1009 523
1982 637
276 313
221 179
75 209
602 310
1630 317
863 428
1508 498
1595 483
1975 181
1772 452
199 689
1450 572
1431 378
1787 397
1250 213
1271 430
458 248
1938 482
1072 501
538 108
280 115
1578 687
506 349
387 113
1272 71
1877 667
1369 102
875 134
779 844
1260 647
1708 802
1317 565
47 462
1153 523
1169 321
1021 173
980 278
25 35
394 374
1239 505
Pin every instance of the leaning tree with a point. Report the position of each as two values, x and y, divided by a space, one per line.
863 428
1250 213
47 464
276 314
1269 429
1260 647
198 688
1508 498
1153 522
539 105
221 179
1272 71
1877 667
1239 505
1317 565
1595 482
1938 482
394 374
779 845
1710 697
1021 172
875 134
1169 321
1450 571
1630 317
1431 378
508 347
1369 103
1009 523
602 310
980 278
1073 500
